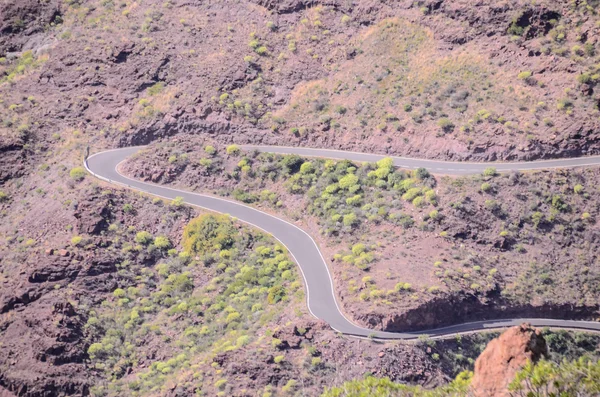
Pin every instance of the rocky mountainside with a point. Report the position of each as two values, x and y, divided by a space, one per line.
443 79
83 264
408 250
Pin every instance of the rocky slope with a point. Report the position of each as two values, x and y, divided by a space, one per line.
508 80
472 248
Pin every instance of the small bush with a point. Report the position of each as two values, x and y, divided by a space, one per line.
350 219
307 168
205 162
3 196
358 249
162 242
564 104
233 150
584 78
77 174
177 201
262 50
524 75
490 171
446 124
486 187
155 89
76 240
143 237
290 386
422 173
220 384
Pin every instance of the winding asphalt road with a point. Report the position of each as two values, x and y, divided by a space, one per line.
320 295
434 166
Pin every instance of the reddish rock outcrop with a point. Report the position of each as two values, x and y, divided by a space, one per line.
503 357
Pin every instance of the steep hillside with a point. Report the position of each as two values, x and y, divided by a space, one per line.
410 250
437 79
88 304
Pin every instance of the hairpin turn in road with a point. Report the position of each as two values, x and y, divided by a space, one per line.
320 294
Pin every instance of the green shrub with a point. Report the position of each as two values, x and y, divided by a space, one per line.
177 201
490 171
358 249
210 150
162 242
564 104
446 124
155 89
277 343
524 75
486 187
578 189
76 240
77 174
3 196
422 173
537 218
418 201
143 237
355 200
279 359
290 386
585 78
205 162
586 216
348 181
276 294
220 384
350 219
233 150
95 350
411 194
307 168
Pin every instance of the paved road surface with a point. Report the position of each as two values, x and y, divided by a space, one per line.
321 300
434 166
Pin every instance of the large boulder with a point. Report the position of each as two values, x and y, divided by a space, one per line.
504 357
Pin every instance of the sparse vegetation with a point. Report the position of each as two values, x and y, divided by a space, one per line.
78 174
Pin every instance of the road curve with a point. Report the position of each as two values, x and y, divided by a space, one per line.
433 166
320 294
